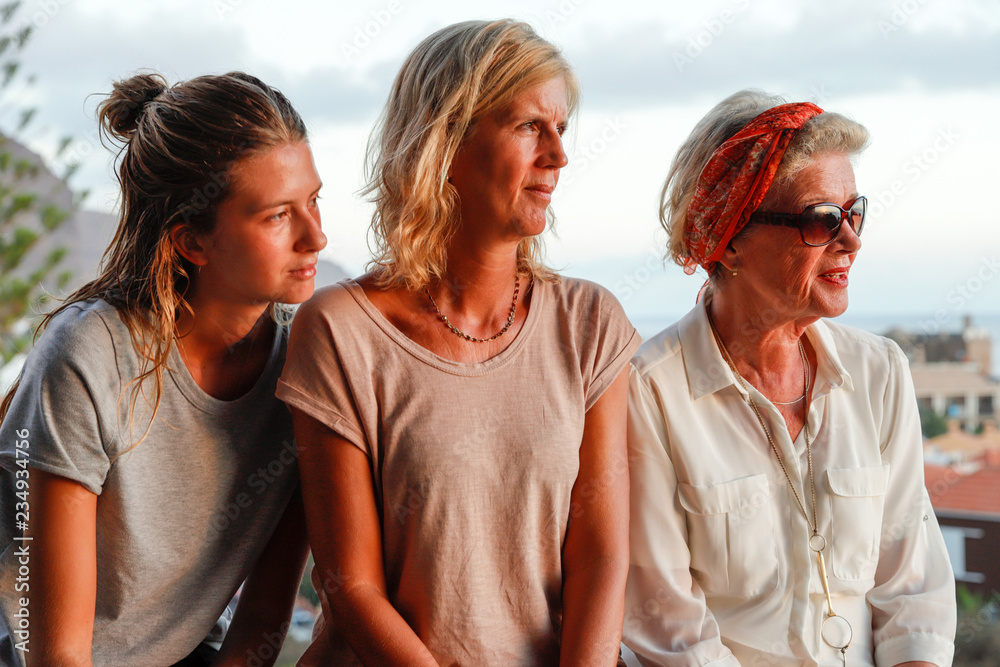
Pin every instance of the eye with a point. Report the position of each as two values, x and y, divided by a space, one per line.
277 217
561 129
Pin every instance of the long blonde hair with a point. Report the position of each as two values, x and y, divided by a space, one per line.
176 147
452 79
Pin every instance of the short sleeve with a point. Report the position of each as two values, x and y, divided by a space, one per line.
315 378
66 405
611 340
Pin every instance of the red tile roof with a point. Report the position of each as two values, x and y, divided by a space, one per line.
977 492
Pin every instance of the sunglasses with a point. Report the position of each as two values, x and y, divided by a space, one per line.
818 224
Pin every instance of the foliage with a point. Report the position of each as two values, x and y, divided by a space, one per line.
932 424
977 641
26 216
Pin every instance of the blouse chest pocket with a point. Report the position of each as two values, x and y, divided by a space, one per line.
731 536
857 497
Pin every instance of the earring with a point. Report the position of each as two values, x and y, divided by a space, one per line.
734 271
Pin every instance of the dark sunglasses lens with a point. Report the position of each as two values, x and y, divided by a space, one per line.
820 224
858 215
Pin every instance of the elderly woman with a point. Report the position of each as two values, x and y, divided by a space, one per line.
779 515
461 410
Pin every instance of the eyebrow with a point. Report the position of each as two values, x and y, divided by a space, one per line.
285 202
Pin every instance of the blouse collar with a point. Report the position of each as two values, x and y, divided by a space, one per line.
708 372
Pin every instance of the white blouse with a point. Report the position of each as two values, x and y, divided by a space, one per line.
721 572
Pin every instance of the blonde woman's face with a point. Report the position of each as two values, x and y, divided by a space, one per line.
506 170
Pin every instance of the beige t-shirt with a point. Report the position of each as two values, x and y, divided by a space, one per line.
473 464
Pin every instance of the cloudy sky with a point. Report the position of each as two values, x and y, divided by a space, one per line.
922 75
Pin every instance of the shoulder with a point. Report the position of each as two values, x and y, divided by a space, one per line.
332 297
576 295
89 330
857 348
333 302
658 352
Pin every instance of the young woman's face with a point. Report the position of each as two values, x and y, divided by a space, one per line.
267 234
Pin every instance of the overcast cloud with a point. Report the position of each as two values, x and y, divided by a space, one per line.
909 69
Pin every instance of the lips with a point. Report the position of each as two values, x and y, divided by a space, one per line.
836 276
542 190
305 272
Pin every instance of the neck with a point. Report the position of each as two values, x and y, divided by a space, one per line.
766 353
219 329
478 282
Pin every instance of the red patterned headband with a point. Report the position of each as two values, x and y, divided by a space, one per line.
734 182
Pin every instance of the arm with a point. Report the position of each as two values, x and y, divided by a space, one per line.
667 619
913 601
265 606
346 537
63 579
595 554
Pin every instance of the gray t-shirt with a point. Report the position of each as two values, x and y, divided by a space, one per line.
181 518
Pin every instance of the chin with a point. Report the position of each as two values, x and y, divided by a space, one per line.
292 296
835 309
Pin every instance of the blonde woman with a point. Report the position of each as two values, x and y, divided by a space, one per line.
460 410
150 460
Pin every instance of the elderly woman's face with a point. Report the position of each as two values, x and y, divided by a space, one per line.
787 278
507 168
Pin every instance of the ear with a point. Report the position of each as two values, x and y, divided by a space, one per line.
730 257
190 245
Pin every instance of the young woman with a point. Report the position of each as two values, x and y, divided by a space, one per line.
461 409
145 458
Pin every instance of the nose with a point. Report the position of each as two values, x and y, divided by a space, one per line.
847 238
554 155
311 236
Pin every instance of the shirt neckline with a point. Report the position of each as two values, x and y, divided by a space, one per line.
540 294
701 352
204 401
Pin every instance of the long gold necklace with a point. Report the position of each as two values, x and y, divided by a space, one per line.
835 630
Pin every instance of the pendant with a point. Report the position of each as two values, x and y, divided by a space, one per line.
837 632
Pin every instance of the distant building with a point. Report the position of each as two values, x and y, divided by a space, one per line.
951 373
958 391
966 501
972 345
958 446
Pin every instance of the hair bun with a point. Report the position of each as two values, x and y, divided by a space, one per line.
120 113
